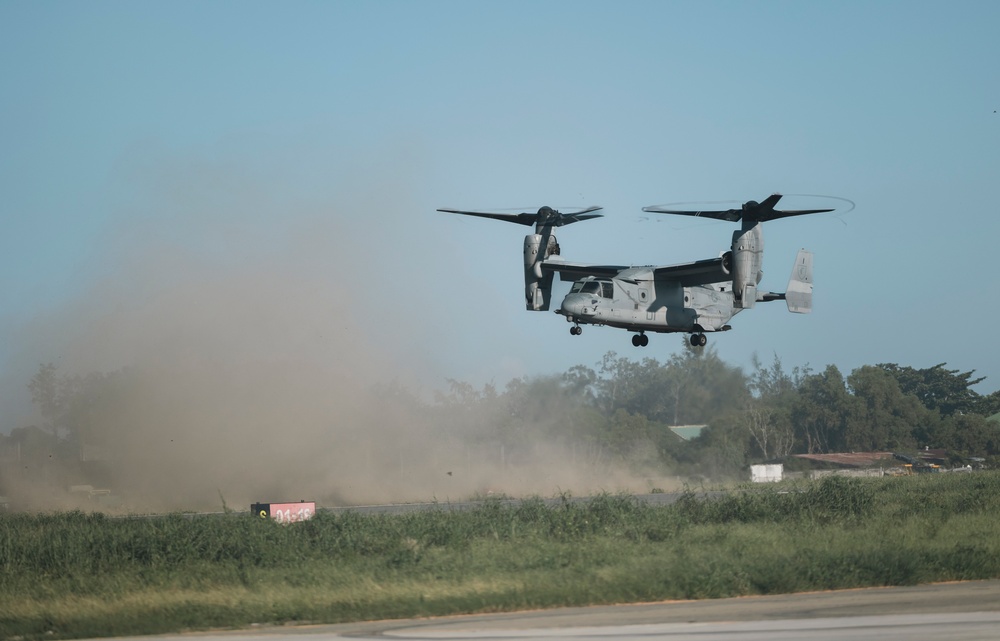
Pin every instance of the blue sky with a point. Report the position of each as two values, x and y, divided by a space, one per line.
148 149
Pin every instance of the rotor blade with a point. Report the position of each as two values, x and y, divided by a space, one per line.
760 212
520 219
765 211
768 203
731 215
586 211
567 219
790 212
545 217
558 219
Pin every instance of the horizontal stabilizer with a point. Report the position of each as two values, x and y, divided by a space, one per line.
800 285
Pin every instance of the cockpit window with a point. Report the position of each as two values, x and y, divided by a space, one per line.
603 288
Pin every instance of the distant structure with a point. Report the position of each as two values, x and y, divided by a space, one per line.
687 432
770 473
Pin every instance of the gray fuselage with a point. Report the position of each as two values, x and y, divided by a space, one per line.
635 300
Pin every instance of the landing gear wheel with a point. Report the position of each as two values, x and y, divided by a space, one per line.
640 340
699 340
645 340
576 330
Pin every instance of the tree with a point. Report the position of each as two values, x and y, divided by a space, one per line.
988 405
703 386
721 451
772 382
77 406
976 436
946 390
884 418
767 417
630 437
580 381
44 387
692 387
821 411
770 429
34 456
616 387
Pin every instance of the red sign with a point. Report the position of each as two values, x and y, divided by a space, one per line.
289 512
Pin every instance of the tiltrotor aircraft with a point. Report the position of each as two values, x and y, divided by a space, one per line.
695 298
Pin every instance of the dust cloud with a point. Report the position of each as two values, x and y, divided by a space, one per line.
234 320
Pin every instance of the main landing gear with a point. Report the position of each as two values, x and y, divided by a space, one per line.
699 340
640 340
575 330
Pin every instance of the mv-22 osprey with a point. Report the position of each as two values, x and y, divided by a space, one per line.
694 298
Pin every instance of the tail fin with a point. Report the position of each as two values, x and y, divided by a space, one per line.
799 296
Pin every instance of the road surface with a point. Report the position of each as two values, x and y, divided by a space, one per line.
941 612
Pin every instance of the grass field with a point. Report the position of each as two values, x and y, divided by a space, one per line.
78 575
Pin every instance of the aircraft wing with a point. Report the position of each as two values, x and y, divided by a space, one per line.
700 272
575 271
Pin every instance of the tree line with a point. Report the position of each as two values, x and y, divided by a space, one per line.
623 408
620 410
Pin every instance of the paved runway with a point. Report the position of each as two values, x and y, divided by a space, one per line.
941 612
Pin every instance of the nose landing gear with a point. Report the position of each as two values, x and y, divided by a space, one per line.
699 340
575 330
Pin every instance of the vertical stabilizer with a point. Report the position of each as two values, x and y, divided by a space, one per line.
799 296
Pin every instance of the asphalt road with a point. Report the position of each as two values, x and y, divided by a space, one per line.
941 612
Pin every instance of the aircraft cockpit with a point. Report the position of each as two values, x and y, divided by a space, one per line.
602 288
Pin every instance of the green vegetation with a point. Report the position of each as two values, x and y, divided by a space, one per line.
81 575
169 438
98 429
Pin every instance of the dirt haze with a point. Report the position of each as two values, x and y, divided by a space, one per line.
252 353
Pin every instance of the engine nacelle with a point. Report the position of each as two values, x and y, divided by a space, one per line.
538 285
747 263
727 263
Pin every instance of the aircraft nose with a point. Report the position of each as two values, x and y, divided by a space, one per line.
570 306
576 305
